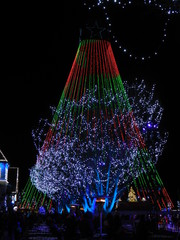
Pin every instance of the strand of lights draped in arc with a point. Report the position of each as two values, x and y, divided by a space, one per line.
94 128
168 8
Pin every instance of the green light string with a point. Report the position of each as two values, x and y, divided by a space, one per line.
81 86
67 85
25 191
44 197
39 198
72 85
69 88
31 195
117 78
49 204
154 193
161 185
36 197
108 83
28 194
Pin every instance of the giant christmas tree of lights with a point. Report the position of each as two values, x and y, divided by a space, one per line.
95 146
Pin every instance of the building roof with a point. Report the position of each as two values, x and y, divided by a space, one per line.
2 157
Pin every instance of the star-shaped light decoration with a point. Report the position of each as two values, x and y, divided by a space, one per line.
95 31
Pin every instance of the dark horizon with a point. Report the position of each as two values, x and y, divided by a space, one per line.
38 50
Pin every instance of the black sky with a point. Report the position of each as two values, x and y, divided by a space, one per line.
38 46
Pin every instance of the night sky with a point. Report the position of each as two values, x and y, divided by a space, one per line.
38 46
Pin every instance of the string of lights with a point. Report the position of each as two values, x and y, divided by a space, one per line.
167 8
148 113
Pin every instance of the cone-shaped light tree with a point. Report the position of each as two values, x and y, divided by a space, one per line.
97 144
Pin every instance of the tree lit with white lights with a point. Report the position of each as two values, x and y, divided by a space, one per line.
98 162
148 113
